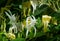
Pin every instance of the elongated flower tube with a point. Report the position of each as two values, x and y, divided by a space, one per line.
30 22
13 28
34 4
45 20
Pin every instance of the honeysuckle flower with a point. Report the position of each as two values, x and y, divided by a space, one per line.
45 20
10 36
12 22
30 22
34 4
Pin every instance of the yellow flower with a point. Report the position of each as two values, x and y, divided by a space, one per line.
45 20
10 36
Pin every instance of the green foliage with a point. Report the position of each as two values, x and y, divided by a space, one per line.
44 7
19 39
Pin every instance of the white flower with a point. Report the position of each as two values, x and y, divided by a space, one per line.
12 22
30 25
34 5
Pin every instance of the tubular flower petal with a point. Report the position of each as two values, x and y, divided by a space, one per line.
13 28
45 20
34 4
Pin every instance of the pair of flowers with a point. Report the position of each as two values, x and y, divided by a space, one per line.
28 25
45 20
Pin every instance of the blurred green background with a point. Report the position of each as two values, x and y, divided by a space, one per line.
21 10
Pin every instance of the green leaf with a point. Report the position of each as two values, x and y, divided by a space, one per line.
18 39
